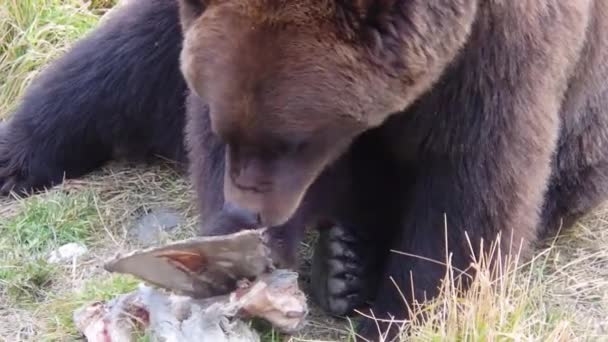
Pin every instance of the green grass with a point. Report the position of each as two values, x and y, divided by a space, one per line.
60 324
50 221
25 280
34 32
96 212
43 223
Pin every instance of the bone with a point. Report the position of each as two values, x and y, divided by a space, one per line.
201 289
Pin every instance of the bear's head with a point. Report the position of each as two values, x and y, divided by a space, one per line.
290 84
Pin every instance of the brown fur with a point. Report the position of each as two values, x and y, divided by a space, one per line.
374 120
472 99
263 58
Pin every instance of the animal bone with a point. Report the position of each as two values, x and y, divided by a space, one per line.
215 281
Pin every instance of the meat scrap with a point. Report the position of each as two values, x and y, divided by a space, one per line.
203 288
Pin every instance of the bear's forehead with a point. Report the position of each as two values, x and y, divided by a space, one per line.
280 11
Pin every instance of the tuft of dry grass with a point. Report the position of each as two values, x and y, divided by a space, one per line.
560 295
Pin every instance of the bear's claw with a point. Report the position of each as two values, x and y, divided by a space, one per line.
340 281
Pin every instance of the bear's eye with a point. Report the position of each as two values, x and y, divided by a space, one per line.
280 148
291 146
299 146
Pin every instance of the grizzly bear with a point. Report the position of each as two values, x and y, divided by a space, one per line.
410 125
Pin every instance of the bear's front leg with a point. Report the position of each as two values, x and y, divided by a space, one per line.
350 253
445 212
479 195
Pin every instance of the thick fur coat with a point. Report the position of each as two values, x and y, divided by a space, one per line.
382 122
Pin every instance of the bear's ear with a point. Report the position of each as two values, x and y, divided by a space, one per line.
190 10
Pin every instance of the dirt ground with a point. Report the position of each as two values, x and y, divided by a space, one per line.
570 284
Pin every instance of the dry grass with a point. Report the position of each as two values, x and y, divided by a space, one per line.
113 198
561 295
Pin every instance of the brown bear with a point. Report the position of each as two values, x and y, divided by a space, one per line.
405 125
